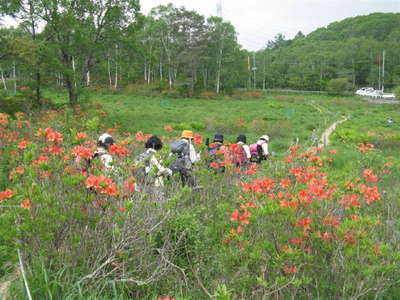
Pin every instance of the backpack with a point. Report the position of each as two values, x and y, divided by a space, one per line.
256 153
182 150
239 155
141 162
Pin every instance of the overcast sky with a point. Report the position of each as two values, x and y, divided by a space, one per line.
258 21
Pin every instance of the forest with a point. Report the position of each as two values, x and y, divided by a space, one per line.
112 44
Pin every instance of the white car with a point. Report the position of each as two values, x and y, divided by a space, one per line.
365 91
371 92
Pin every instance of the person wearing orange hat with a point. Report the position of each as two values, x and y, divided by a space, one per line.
187 135
187 159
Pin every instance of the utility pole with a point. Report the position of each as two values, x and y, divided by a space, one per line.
379 71
254 70
248 69
383 69
219 8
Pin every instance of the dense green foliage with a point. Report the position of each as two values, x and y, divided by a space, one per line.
183 54
83 245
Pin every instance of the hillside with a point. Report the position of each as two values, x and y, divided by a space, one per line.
352 49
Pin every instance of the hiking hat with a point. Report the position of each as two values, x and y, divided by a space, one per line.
219 137
264 138
241 138
105 140
187 134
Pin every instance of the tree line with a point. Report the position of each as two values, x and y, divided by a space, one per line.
79 44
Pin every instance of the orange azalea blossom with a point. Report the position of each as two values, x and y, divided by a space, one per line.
140 137
129 185
333 152
101 183
165 298
82 152
20 170
26 203
264 185
305 223
118 150
53 136
371 194
349 200
42 159
364 147
168 128
6 194
370 176
288 159
244 218
198 139
235 215
56 150
252 170
22 144
289 270
285 183
122 209
214 165
354 217
330 220
81 136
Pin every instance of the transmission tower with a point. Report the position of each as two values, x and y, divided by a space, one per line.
219 8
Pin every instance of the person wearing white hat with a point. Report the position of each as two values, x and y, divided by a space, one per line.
103 143
259 150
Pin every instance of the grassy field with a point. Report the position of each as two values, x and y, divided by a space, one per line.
284 230
286 118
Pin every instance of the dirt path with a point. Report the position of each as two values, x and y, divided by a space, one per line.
324 140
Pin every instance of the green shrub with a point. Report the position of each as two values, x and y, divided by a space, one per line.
396 91
338 86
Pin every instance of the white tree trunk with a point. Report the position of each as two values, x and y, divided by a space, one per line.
109 72
88 78
73 70
116 67
161 70
15 77
3 79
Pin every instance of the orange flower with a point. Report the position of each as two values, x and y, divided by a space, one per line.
168 128
140 137
235 215
330 220
289 270
22 144
26 203
121 209
83 152
53 136
119 150
6 194
214 165
333 151
198 139
285 183
81 135
20 170
129 185
305 223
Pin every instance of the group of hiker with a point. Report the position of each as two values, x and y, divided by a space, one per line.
151 171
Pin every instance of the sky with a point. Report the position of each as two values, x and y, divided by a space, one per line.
258 21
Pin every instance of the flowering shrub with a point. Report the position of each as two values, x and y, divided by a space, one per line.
298 225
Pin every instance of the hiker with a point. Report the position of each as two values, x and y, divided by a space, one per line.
242 153
150 166
213 149
186 157
103 143
259 151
